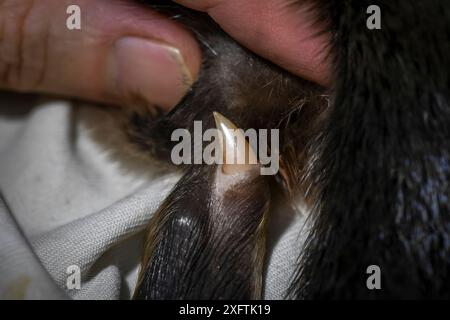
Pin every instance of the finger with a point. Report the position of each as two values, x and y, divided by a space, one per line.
124 53
283 31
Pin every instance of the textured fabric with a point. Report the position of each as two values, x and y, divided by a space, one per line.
68 201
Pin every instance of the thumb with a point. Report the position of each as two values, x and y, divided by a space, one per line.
123 53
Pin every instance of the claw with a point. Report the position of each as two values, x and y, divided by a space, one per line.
238 154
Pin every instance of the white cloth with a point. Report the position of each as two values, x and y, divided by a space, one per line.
68 201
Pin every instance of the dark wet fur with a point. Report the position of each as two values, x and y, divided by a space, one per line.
382 171
203 251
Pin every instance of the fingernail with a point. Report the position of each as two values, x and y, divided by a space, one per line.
151 70
238 154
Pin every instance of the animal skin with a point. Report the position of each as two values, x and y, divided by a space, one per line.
370 156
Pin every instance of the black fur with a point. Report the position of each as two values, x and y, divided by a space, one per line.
201 251
384 168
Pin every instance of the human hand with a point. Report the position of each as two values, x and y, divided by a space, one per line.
125 52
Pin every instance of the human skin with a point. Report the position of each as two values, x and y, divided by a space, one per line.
125 50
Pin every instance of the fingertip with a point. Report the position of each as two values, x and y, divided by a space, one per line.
155 71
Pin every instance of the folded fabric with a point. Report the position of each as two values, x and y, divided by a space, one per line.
67 205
